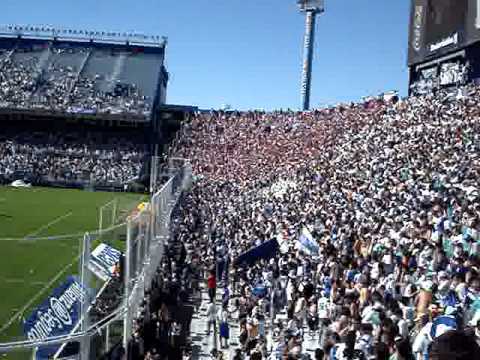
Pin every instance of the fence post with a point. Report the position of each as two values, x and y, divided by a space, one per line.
127 323
107 338
138 244
153 173
272 312
85 281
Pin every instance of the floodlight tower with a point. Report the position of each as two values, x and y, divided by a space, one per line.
311 8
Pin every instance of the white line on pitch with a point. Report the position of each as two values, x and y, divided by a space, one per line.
33 299
46 226
14 281
22 281
38 283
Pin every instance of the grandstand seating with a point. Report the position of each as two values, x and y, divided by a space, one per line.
58 78
76 78
73 158
142 69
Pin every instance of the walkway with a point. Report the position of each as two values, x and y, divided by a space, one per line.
203 344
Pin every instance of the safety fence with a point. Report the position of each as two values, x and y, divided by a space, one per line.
110 285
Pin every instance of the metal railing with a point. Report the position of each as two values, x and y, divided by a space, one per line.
147 233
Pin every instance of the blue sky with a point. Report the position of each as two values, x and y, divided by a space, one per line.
248 53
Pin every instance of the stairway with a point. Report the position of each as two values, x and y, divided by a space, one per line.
69 91
43 59
117 70
202 343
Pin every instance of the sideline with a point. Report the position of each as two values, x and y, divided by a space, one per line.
66 236
37 295
46 226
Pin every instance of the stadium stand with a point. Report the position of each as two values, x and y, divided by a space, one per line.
106 96
74 78
74 158
373 210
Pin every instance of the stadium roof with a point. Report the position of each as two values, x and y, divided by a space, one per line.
45 32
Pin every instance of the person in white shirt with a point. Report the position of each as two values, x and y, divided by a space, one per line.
211 317
323 316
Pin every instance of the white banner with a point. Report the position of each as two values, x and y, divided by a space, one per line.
103 261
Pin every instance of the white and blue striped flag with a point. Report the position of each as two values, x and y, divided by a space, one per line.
307 243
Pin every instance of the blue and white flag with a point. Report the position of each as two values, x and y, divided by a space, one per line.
307 243
442 324
103 261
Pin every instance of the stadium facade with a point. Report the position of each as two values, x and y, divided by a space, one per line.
444 43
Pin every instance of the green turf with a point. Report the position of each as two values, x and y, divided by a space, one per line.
29 263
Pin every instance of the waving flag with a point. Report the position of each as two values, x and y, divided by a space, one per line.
307 243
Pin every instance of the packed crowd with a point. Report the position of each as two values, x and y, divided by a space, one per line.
53 88
49 157
39 80
17 80
119 98
448 74
374 211
160 329
109 300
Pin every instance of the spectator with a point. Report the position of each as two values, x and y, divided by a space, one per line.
224 330
212 314
212 286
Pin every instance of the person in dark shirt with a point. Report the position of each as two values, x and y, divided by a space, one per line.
454 345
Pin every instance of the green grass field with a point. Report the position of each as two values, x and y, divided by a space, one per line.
30 261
